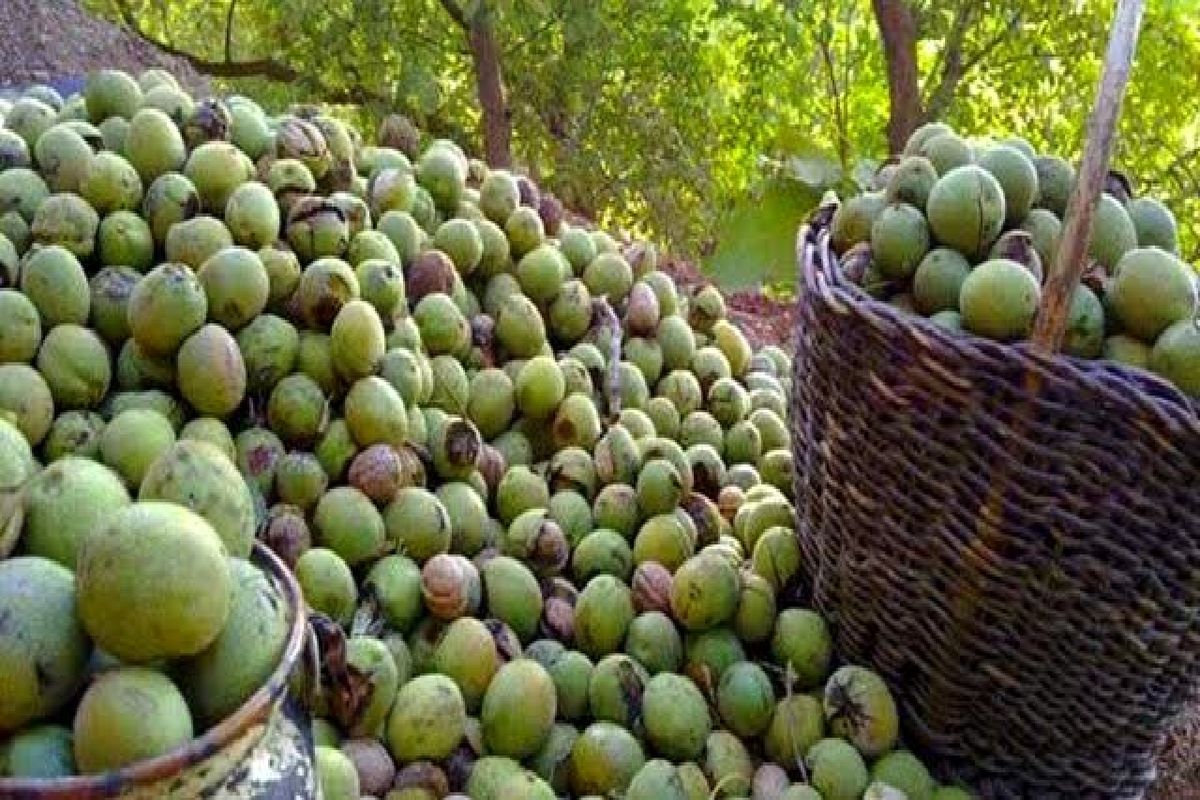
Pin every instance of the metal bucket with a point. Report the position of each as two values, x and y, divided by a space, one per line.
263 750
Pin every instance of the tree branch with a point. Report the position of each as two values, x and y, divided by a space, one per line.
956 68
517 46
280 72
424 39
229 32
1077 51
456 12
898 30
848 65
263 67
489 87
1014 22
835 91
949 66
1181 160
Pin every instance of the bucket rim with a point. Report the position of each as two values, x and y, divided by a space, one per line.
255 709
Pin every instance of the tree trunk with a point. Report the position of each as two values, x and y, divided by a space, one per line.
899 32
489 84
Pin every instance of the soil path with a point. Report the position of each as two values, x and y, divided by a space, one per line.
56 42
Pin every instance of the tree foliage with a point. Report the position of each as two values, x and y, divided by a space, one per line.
709 124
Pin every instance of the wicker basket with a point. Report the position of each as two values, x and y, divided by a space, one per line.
1011 537
1023 567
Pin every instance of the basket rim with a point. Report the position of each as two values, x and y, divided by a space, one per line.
255 709
1168 404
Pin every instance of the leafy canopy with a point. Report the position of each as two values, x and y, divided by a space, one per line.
711 125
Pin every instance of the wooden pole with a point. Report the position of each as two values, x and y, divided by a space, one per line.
1071 259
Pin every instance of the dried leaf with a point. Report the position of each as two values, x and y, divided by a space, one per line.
347 689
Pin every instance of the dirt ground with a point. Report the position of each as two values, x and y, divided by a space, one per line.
764 321
1179 776
44 40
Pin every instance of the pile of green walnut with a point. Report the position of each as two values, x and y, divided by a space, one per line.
545 491
966 233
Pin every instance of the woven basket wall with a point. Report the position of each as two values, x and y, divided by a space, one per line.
1023 568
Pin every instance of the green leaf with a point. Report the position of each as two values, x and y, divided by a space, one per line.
815 170
757 240
650 115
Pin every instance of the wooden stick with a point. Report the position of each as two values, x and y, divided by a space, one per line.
1071 259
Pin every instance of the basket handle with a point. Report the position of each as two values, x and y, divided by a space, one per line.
1070 260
